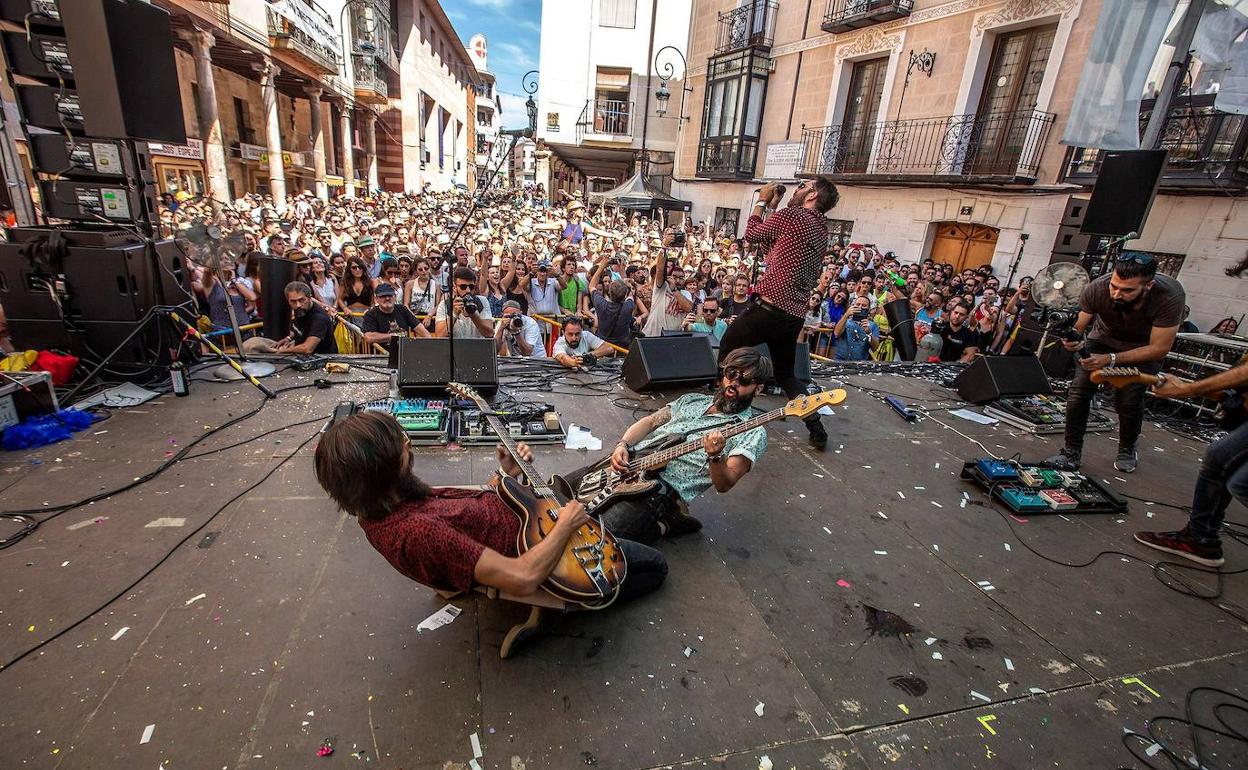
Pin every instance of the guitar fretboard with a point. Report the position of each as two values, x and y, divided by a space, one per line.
664 456
504 436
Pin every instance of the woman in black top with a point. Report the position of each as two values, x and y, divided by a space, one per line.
355 292
520 283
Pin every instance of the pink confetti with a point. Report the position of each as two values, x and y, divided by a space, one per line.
843 583
1015 518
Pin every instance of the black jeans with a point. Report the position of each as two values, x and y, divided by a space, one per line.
647 569
1223 475
760 323
635 518
1128 401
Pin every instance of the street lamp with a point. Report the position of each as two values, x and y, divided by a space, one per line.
667 71
529 84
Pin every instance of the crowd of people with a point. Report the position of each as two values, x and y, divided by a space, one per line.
523 268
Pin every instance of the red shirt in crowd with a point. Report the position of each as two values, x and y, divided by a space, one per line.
799 238
437 541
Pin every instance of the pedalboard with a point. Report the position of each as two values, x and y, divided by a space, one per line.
1028 488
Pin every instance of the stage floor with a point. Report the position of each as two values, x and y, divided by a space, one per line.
839 610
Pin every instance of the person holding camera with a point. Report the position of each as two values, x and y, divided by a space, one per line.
709 322
1134 315
578 347
517 334
473 319
388 319
856 334
614 311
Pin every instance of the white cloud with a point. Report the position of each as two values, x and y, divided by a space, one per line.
516 57
497 5
530 25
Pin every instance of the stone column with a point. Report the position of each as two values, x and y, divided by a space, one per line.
318 142
273 134
348 160
541 172
210 134
370 149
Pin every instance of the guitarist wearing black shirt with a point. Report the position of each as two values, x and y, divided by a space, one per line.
1223 474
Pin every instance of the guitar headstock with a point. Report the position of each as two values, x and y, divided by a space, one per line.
463 391
808 405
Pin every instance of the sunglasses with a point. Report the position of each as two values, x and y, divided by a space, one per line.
732 373
1137 257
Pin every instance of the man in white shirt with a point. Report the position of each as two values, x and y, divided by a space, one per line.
472 320
668 306
543 292
517 334
575 342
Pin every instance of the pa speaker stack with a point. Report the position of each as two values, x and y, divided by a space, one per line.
94 81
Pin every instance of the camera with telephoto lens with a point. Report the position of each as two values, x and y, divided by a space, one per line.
517 322
472 304
588 359
678 239
940 326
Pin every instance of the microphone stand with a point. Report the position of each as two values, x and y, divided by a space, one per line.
1018 258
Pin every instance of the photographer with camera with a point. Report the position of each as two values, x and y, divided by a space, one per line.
577 347
1134 314
856 334
473 319
517 334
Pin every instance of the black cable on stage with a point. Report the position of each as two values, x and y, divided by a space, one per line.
26 518
250 439
1147 740
5 666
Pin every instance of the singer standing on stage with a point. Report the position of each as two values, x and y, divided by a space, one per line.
798 238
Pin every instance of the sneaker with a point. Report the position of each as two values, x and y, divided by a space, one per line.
681 524
521 633
1065 460
818 435
1127 460
1184 543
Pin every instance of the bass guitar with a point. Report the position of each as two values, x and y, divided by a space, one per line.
602 483
1230 413
592 567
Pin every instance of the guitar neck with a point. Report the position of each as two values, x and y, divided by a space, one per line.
504 437
664 456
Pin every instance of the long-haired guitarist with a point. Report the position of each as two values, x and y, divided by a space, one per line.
450 539
720 463
1223 475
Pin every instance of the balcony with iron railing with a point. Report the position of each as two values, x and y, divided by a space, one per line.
306 32
370 84
731 157
849 15
605 120
1208 149
996 148
371 32
749 26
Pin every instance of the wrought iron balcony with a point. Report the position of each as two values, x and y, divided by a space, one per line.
304 31
849 15
1001 147
1208 149
730 157
749 26
370 81
371 32
605 120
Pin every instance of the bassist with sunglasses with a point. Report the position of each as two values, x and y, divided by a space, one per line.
1131 317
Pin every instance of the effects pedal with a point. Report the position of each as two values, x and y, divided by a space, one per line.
900 408
1058 500
1023 500
996 470
1030 477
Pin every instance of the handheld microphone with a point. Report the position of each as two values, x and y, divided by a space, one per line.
525 132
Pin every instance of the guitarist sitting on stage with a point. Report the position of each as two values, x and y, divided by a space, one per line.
449 539
720 463
1223 475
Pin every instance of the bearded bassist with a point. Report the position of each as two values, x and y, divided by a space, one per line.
721 462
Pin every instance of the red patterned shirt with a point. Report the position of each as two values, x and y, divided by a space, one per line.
799 238
438 540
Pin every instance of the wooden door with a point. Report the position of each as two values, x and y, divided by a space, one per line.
862 110
964 245
1002 124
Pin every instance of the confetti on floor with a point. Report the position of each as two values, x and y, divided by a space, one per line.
194 599
981 696
120 633
1009 665
147 734
759 708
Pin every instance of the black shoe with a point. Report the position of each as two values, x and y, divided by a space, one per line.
818 436
521 633
1127 461
1065 460
681 524
1183 543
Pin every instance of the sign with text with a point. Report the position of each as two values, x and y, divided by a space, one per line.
192 150
782 160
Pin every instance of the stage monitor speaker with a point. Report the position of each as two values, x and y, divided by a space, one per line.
130 78
656 362
990 377
1056 360
801 361
275 273
901 328
425 365
1124 192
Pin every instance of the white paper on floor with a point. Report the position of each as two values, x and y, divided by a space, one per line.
581 438
118 397
967 414
440 618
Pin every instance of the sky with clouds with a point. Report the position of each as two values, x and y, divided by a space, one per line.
512 29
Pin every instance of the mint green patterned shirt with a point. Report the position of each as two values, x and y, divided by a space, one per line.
690 475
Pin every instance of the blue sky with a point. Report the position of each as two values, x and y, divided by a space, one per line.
512 31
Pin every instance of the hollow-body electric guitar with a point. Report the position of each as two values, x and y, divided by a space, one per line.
592 566
603 484
1232 410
